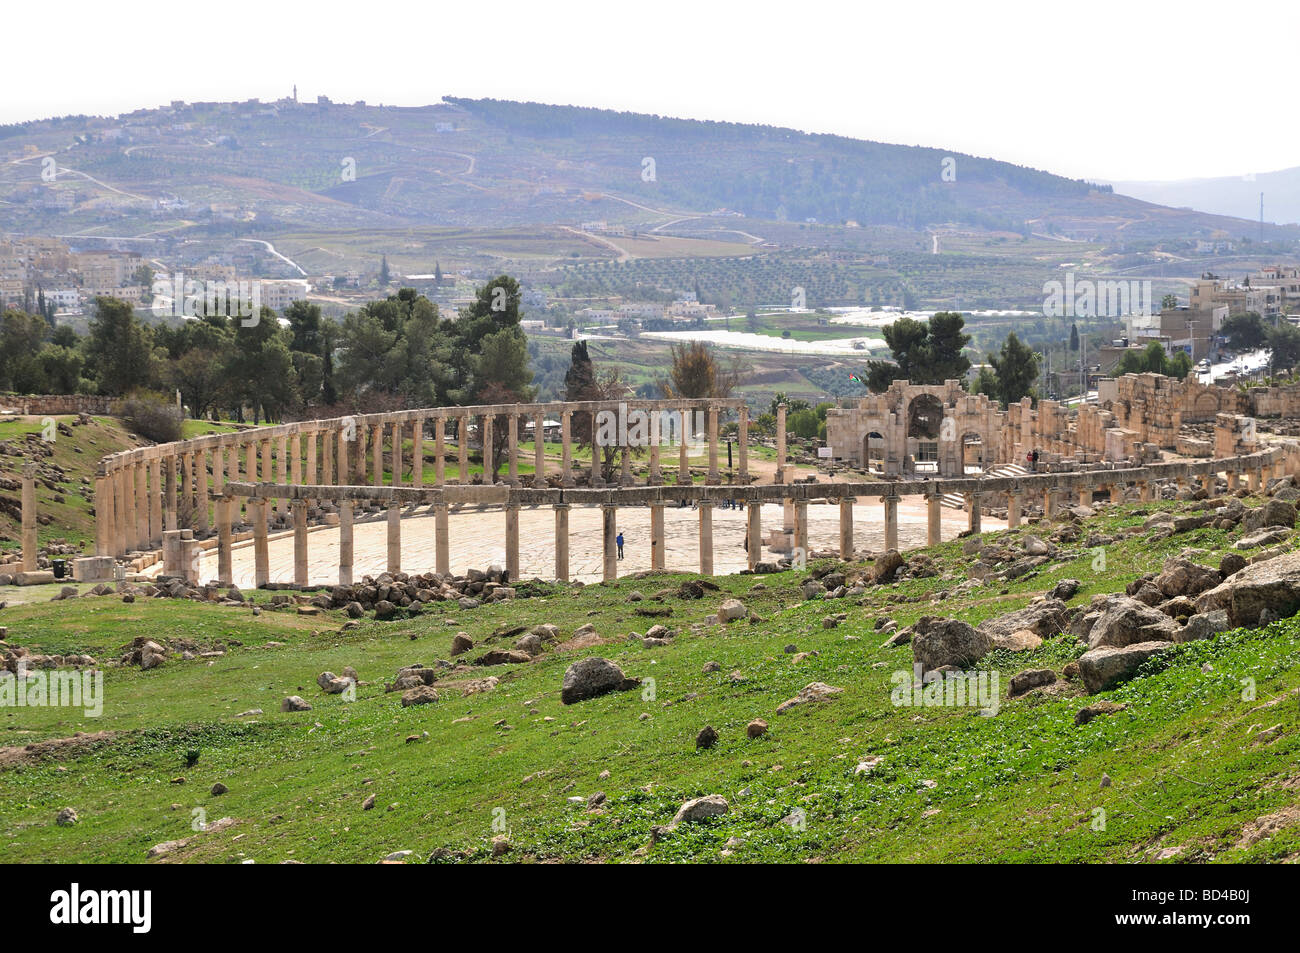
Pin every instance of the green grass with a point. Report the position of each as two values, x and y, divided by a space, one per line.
69 507
1189 764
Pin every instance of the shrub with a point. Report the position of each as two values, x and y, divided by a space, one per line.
152 417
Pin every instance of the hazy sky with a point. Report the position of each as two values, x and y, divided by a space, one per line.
1103 90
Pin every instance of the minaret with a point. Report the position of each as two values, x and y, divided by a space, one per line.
295 92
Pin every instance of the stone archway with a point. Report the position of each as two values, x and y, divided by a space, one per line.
875 451
975 454
924 424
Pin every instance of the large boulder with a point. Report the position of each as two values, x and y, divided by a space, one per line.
731 610
1272 513
711 805
1102 668
886 565
1043 619
592 677
1205 625
1126 621
1263 537
940 642
1273 584
1182 577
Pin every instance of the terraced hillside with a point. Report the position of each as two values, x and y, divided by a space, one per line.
1191 759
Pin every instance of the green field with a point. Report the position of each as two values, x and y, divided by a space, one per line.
1192 764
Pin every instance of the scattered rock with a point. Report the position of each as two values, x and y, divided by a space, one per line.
711 805
1103 667
1030 679
423 695
1085 715
813 692
940 642
592 677
294 703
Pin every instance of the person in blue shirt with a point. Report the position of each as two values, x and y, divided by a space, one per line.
619 540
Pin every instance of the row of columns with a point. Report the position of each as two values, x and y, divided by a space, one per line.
140 500
796 523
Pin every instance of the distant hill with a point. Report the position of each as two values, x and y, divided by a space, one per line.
1230 195
253 168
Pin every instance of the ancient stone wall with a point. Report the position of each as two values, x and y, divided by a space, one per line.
40 405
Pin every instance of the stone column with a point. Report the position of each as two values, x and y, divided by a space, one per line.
1117 492
485 423
539 450
295 460
341 462
225 541
1145 491
328 450
656 471
171 476
1232 481
346 513
29 517
439 449
780 443
125 509
1256 477
625 466
1049 502
742 439
656 536
846 528
512 449
597 476
397 453
754 514
204 522
462 445
1085 496
299 510
713 446
1207 483
282 459
891 519
562 542
706 538
141 505
801 526
267 476
934 519
417 453
442 540
1013 509
512 541
394 537
566 455
261 555
688 434
311 477
250 466
973 503
609 520
377 455
103 516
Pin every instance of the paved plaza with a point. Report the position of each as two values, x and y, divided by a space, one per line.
477 540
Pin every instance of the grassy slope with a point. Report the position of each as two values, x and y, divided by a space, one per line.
79 457
1189 760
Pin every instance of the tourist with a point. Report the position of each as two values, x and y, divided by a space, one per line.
619 541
